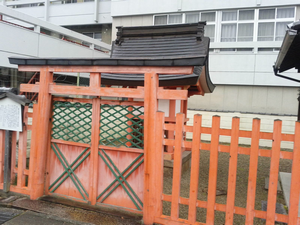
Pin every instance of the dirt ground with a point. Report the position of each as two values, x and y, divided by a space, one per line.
222 182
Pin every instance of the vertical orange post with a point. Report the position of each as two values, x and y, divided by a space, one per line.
170 133
213 170
95 81
2 149
195 168
252 171
48 152
295 181
183 107
159 161
32 159
232 169
177 166
274 169
22 151
42 135
150 109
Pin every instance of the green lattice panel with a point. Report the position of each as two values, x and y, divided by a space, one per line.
122 126
72 121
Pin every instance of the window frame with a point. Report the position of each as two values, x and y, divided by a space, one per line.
237 22
168 15
275 20
255 21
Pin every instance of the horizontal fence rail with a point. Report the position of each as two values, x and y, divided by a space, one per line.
195 145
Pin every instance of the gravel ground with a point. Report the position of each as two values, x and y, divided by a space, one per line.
222 182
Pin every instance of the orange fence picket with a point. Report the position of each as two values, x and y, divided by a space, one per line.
213 169
195 165
232 170
253 172
177 167
274 170
295 181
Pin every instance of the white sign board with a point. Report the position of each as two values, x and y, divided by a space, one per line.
10 115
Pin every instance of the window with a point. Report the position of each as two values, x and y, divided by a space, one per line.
95 35
243 25
210 18
175 19
168 19
228 32
272 23
160 20
237 25
192 18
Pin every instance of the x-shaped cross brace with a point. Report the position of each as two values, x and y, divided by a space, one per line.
69 171
120 178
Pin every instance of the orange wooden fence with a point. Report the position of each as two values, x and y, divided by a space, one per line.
22 176
180 144
31 181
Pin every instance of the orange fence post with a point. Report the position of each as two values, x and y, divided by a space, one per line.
234 144
95 81
274 169
159 161
41 137
2 149
177 166
195 167
22 151
170 134
295 181
252 171
213 170
150 109
32 157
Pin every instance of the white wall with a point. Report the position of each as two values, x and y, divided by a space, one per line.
267 124
247 69
137 7
248 99
21 42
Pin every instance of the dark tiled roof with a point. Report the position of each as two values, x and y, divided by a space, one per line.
172 45
184 43
289 55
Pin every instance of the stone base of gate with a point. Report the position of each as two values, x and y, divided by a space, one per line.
186 162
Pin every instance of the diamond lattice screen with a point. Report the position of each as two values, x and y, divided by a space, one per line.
122 126
72 121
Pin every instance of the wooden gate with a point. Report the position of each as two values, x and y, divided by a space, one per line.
88 156
118 179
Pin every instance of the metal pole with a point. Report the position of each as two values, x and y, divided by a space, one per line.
7 161
78 79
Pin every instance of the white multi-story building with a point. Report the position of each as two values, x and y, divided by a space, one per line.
245 39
